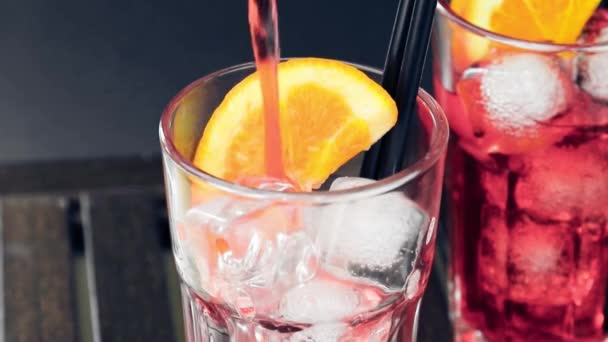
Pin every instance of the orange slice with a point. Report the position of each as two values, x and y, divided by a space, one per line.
558 21
330 112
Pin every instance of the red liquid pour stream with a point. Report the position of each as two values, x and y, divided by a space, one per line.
263 25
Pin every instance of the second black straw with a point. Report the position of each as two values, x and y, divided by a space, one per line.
401 79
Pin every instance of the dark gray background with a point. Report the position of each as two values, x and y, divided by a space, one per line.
88 79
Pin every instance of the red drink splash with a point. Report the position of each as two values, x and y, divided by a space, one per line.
263 24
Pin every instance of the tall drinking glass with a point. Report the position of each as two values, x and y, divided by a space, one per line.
527 177
348 263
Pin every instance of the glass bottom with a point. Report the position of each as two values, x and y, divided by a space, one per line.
205 321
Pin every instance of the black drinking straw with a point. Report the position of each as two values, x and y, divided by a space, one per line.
393 146
390 78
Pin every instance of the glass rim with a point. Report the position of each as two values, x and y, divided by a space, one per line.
444 9
437 146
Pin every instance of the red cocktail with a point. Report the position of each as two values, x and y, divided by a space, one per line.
528 175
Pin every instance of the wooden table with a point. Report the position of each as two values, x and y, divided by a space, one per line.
85 256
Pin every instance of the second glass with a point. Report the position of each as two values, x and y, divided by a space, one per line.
526 175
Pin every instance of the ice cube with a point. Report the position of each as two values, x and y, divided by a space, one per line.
511 97
593 67
241 248
457 116
492 250
594 70
586 309
594 74
320 333
319 301
521 90
296 258
267 183
214 214
563 183
584 113
590 269
541 261
195 231
345 183
495 185
372 239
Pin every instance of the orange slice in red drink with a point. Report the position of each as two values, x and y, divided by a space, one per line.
557 21
329 112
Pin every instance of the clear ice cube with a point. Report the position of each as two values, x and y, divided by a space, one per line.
240 248
371 240
593 66
521 90
562 183
492 250
541 261
494 184
594 75
319 301
511 100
